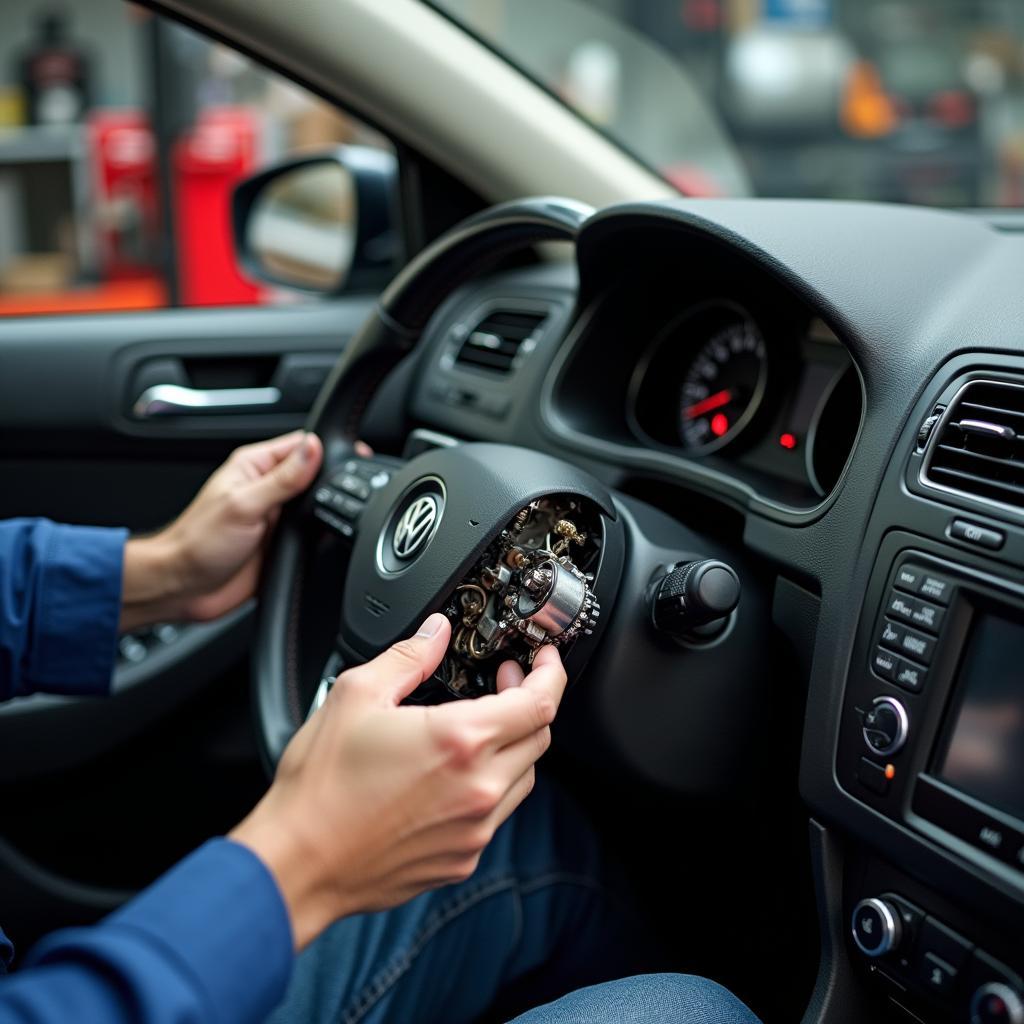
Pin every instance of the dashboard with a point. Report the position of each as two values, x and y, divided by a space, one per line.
832 391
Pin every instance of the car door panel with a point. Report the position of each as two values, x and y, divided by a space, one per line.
73 448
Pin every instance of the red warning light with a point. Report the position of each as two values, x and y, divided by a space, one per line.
719 424
788 441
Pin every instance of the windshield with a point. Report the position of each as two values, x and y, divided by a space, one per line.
915 101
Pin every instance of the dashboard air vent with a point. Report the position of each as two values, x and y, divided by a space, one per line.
979 451
497 341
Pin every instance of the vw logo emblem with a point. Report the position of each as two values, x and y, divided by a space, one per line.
414 527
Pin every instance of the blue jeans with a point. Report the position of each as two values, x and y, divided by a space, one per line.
539 918
645 999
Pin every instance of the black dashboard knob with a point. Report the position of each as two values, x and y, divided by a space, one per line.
886 726
876 927
997 1003
694 597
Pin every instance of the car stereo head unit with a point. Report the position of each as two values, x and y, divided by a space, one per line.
974 788
933 720
982 753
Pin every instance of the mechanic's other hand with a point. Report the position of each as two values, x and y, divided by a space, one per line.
375 802
208 560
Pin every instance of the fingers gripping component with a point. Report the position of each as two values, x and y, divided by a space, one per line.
533 586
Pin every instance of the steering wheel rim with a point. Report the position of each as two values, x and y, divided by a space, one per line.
389 334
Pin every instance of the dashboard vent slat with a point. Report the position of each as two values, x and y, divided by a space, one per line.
979 449
498 340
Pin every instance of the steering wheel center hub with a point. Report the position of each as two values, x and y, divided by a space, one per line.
519 529
412 525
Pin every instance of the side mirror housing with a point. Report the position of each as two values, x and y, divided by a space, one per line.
322 224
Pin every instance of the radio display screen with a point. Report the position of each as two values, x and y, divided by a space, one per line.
984 752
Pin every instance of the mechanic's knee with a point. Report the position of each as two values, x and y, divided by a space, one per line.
646 999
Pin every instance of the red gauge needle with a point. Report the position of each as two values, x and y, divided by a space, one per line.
715 401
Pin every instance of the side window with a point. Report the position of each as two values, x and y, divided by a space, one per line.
122 136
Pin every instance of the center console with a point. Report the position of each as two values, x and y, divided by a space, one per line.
932 737
931 729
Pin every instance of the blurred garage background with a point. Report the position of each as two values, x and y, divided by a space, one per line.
115 123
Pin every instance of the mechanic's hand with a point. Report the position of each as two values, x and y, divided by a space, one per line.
374 802
208 560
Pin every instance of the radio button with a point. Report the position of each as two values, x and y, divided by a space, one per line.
901 606
891 636
938 977
908 577
910 676
928 616
917 645
944 943
872 775
884 663
885 726
935 588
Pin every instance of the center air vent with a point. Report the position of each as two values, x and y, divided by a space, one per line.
499 340
979 450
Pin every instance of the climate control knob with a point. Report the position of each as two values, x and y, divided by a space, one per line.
996 1003
886 726
876 927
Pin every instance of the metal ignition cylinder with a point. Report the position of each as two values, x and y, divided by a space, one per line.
555 602
533 586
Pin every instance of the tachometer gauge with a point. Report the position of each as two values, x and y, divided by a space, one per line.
723 384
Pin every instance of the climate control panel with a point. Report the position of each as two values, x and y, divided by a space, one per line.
918 954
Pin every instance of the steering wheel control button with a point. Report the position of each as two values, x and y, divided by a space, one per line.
973 533
884 663
910 676
693 596
353 485
877 929
885 726
996 1003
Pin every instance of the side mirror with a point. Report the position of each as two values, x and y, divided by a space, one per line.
322 223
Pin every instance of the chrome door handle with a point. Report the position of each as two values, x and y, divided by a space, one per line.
175 400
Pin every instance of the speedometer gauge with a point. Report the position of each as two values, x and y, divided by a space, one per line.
722 387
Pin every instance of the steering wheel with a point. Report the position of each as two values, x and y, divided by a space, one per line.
517 548
411 532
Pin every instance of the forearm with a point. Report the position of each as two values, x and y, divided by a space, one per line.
60 599
151 589
209 941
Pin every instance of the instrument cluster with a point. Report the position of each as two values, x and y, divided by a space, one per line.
773 396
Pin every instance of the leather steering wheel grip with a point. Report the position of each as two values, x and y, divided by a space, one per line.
390 333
